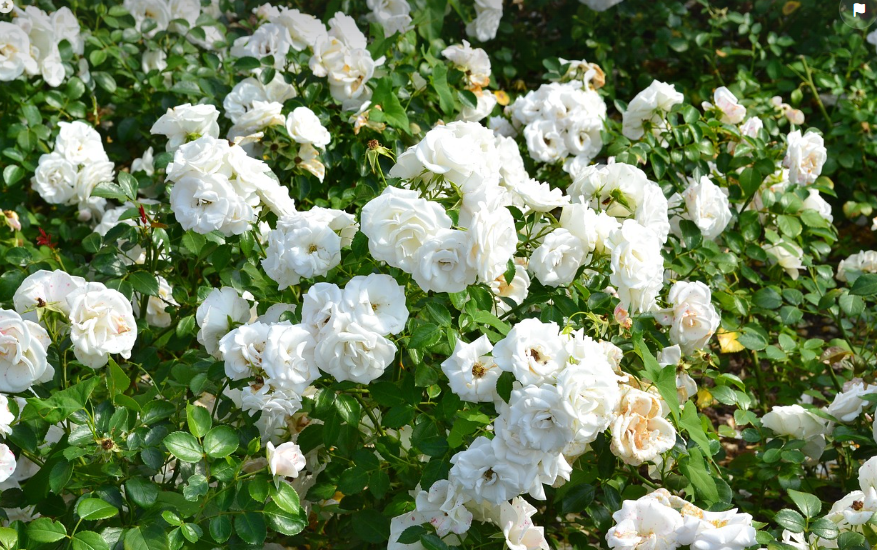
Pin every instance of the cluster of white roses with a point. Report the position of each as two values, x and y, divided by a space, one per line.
216 186
475 64
153 16
662 520
393 15
343 333
100 321
73 169
562 120
31 45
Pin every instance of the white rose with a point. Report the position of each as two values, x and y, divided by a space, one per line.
288 358
16 48
692 318
538 420
262 115
539 196
205 155
348 351
90 175
6 416
545 141
517 525
643 108
443 507
805 157
145 164
485 102
488 14
101 323
474 62
794 421
482 476
501 127
49 287
850 511
788 255
637 266
187 122
556 261
494 241
242 350
207 203
269 39
299 248
320 305
276 406
868 481
23 347
472 375
55 179
644 524
706 204
639 433
189 10
79 143
393 15
441 264
590 394
728 530
155 305
304 29
155 10
7 458
153 60
213 315
848 404
861 262
533 351
515 291
726 103
347 79
398 222
305 127
376 301
814 201
286 460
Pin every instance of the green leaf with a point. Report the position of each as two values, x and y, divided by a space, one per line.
198 419
62 403
691 235
371 526
141 491
767 298
250 527
750 181
151 537
220 442
12 174
220 528
191 532
59 475
504 385
691 422
790 519
865 285
393 112
440 85
9 537
95 508
105 81
697 472
245 64
348 408
439 313
824 528
664 378
285 522
109 190
144 283
789 225
194 242
184 446
117 381
425 336
809 505
286 498
89 540
45 530
129 185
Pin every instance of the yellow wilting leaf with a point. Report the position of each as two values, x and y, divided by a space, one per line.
501 97
704 398
790 7
728 341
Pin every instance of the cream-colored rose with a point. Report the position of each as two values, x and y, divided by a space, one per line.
640 433
285 460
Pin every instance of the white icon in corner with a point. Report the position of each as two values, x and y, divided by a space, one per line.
858 8
6 6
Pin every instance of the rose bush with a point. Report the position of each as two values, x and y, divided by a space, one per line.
401 274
